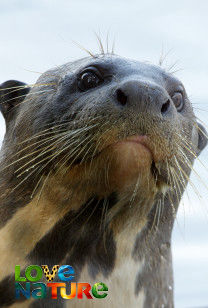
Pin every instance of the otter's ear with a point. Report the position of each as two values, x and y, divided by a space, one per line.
202 138
12 93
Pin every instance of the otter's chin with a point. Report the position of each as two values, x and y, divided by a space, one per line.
130 161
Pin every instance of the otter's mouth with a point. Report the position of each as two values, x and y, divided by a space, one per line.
142 140
129 158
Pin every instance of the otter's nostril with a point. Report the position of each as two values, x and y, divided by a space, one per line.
165 106
121 97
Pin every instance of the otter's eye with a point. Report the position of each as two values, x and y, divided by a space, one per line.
88 79
178 100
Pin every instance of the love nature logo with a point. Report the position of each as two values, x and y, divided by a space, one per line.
29 285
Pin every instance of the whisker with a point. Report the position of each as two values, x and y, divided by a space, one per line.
203 133
67 147
190 182
36 186
84 49
113 46
19 88
76 149
205 125
100 43
190 166
49 148
58 125
41 190
20 96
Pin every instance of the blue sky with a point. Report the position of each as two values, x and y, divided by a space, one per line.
37 35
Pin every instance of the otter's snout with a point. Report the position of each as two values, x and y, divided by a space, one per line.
143 96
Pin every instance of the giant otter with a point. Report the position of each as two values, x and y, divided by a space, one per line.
95 159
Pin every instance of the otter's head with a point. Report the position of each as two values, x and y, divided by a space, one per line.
107 123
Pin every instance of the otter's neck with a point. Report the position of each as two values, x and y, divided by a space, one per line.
100 236
60 223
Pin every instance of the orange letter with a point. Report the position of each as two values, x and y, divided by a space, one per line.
86 291
73 291
54 286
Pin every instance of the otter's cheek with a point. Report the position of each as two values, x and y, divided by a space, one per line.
128 162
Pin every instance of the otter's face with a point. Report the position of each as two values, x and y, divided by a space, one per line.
129 124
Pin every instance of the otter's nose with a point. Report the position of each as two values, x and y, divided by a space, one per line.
144 97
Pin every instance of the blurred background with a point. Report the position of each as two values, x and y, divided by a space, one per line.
37 35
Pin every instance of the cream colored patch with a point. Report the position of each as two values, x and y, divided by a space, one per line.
30 223
121 288
121 283
23 231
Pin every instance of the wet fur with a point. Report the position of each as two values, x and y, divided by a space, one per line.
62 198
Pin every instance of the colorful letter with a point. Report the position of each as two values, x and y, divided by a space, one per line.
66 270
95 290
86 291
19 289
17 274
50 276
54 286
73 291
41 290
38 270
